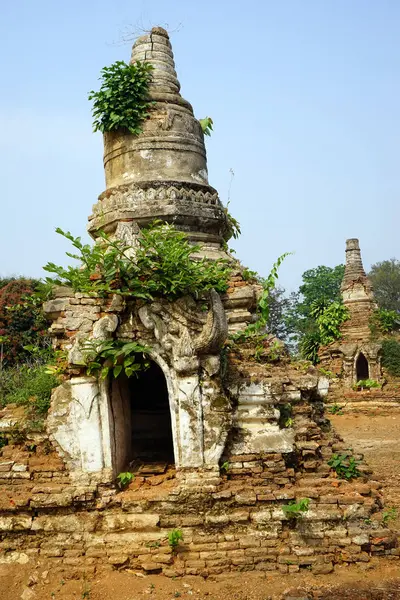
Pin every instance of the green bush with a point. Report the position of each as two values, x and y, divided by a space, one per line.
295 510
391 356
22 322
345 465
384 321
27 386
123 99
367 384
174 537
164 265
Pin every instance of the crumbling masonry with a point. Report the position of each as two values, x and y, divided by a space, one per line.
232 456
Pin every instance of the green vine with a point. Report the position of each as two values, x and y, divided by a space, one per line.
122 101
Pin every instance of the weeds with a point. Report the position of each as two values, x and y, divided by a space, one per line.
345 465
124 479
390 514
174 537
224 467
295 510
336 409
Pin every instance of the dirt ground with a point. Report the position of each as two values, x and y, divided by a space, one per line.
376 436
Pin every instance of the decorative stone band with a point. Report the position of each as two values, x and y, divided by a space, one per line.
145 203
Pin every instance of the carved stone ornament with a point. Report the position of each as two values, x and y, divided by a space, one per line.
184 331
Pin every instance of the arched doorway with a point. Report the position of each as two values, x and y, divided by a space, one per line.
142 430
362 368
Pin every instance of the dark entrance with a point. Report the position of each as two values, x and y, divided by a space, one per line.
362 369
141 422
151 417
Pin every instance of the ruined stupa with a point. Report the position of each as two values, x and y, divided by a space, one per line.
355 356
243 437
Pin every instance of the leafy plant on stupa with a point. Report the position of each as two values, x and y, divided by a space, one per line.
122 101
164 264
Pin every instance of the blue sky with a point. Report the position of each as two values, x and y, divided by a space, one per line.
304 95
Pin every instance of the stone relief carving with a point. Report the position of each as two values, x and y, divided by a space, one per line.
184 331
102 330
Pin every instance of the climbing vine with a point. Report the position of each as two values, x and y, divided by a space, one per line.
122 101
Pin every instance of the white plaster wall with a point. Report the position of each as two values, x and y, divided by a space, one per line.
77 421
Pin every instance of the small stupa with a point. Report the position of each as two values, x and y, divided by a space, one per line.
355 356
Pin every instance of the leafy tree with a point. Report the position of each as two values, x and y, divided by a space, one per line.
279 305
385 278
304 317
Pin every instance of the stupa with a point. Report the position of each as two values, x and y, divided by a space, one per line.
355 356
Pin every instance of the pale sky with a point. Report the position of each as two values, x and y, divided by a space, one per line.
304 95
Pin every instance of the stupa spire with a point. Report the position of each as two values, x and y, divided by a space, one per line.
155 48
354 269
357 294
162 172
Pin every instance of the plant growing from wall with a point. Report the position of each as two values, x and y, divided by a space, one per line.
390 514
391 356
174 537
262 314
116 357
206 125
122 101
366 384
124 479
295 510
164 265
345 465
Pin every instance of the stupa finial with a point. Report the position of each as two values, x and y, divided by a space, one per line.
354 268
155 48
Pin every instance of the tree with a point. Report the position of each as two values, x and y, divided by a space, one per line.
319 292
385 279
279 306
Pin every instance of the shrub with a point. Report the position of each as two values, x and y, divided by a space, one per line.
391 356
29 386
384 321
366 384
115 356
345 465
295 510
125 479
174 537
22 322
123 99
309 346
164 265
